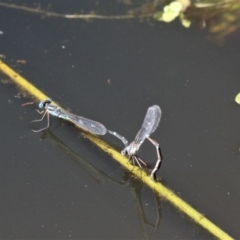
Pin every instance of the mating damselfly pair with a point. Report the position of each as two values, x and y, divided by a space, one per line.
149 125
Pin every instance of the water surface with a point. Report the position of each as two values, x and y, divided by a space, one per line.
57 185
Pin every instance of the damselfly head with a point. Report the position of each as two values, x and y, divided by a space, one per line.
125 151
43 104
131 149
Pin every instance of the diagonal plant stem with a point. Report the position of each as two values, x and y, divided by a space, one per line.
158 187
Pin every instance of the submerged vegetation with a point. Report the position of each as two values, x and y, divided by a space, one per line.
220 17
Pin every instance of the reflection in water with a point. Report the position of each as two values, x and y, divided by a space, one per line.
136 189
100 177
94 172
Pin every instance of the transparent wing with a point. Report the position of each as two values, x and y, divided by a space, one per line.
84 123
150 124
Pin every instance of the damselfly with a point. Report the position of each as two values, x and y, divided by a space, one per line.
81 122
149 125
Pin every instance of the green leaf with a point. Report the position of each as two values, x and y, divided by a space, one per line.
237 98
169 16
185 22
176 6
158 16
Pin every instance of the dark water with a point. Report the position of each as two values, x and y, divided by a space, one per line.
57 185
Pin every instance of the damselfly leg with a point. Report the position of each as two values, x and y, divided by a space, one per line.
39 120
159 160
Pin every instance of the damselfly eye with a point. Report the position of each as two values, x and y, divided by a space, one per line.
42 104
123 152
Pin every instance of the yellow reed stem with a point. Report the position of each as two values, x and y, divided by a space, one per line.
158 187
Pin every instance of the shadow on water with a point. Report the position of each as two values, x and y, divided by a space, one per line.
101 177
